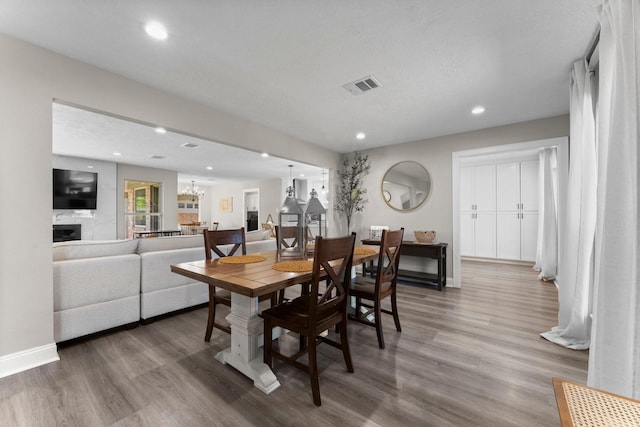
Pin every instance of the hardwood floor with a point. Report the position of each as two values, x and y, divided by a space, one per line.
465 357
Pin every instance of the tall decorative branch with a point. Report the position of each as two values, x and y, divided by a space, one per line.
350 194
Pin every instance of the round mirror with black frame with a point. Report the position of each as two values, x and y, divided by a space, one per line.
405 186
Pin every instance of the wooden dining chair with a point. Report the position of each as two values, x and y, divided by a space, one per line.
287 237
213 239
383 286
311 314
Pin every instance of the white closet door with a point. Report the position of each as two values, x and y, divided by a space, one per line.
508 235
467 236
508 186
485 187
529 185
529 236
485 234
466 189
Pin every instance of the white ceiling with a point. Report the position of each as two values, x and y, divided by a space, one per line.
282 63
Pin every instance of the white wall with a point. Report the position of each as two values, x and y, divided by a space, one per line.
270 201
436 156
99 224
31 78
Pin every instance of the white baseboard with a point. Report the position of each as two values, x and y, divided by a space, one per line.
451 283
27 359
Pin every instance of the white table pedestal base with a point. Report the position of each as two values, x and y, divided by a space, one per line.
245 353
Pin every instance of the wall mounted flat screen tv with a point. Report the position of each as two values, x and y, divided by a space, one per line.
74 189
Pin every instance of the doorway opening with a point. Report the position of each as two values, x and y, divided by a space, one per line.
496 153
251 209
142 207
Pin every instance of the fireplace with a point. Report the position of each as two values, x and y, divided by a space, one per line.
65 232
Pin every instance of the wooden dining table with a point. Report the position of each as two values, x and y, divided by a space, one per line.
247 282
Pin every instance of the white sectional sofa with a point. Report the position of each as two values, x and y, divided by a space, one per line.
99 285
96 286
162 291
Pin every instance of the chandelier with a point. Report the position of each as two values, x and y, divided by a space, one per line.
194 192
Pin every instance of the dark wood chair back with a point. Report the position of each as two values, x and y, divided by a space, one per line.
389 258
335 257
289 233
311 314
382 287
213 239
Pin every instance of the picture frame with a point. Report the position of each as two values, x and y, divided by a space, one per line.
226 204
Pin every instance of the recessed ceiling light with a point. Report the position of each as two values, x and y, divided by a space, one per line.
90 167
301 175
117 154
265 154
189 145
156 30
161 130
477 110
209 168
361 135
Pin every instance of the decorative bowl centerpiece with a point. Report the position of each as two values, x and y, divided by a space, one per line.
425 236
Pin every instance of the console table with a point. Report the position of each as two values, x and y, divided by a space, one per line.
156 233
437 251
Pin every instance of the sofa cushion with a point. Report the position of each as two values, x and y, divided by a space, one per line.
153 244
155 268
78 249
82 282
261 246
257 235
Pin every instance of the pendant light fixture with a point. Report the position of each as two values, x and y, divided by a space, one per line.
323 189
292 215
194 192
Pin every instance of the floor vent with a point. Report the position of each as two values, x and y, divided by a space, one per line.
362 85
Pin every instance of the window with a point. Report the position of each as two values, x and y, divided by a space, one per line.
142 211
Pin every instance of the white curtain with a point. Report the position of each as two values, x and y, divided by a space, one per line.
575 276
547 250
614 358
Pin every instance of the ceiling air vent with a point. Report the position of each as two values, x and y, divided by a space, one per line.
362 85
189 145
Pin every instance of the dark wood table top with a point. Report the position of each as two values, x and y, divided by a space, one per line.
254 279
405 242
